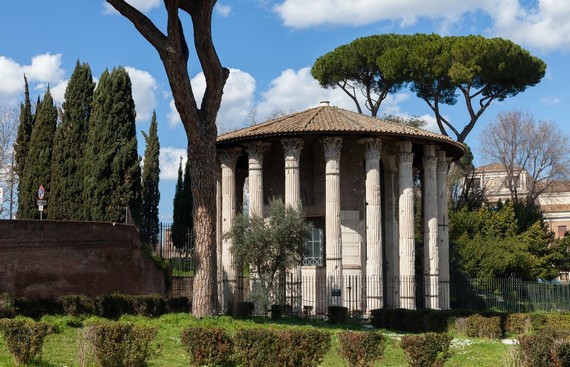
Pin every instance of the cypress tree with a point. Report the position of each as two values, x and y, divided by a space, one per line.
112 170
177 231
149 226
24 132
37 169
66 201
188 218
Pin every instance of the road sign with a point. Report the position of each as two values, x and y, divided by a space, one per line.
41 192
41 207
42 202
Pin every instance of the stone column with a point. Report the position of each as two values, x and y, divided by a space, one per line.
373 279
406 227
431 253
255 152
333 238
292 152
219 237
443 227
392 254
230 272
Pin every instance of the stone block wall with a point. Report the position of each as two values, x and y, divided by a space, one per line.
48 259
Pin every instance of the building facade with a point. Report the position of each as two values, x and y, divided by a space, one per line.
354 177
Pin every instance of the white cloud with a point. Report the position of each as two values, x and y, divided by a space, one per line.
43 69
169 159
550 101
144 92
142 5
223 10
237 101
58 92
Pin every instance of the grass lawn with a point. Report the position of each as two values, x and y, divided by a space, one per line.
61 349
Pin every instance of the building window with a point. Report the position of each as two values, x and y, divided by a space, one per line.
314 254
476 183
561 231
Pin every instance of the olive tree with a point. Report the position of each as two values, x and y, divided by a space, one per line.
199 123
269 245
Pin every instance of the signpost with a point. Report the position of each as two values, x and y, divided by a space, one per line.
41 202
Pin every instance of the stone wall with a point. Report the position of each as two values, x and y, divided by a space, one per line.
48 259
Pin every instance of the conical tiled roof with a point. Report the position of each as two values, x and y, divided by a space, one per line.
327 120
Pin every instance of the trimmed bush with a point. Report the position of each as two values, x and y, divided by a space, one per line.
257 347
244 309
207 346
361 349
305 348
337 314
178 305
425 350
25 339
562 354
276 312
36 308
113 306
518 324
152 305
116 344
7 307
77 305
536 350
477 326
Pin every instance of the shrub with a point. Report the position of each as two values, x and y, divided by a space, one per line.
477 326
121 345
7 307
207 345
562 354
77 305
36 308
257 347
276 312
536 350
518 324
178 305
337 314
305 348
244 309
113 306
25 339
152 305
426 349
361 349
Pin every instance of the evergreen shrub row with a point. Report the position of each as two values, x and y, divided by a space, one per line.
255 347
361 349
111 306
547 348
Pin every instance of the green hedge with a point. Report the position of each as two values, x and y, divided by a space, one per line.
361 349
25 339
425 350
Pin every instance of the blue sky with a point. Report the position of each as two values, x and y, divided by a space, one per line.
270 45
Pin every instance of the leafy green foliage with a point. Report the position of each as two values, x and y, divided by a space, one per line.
183 220
278 242
208 346
25 339
37 170
361 349
121 345
112 170
149 224
493 244
25 127
66 200
77 305
426 349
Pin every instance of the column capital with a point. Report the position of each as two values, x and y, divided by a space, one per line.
228 157
332 146
256 150
430 161
292 148
405 157
442 161
373 148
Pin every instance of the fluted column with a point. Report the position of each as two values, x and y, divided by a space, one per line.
230 270
443 234
332 148
374 286
392 254
292 151
406 226
255 152
430 218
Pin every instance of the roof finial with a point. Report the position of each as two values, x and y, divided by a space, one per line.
324 103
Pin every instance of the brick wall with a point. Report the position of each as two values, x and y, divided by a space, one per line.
48 259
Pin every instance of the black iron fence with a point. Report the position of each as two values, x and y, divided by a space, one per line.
177 247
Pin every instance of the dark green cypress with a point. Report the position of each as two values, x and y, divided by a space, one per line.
24 131
177 231
37 170
111 163
66 200
188 218
149 226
